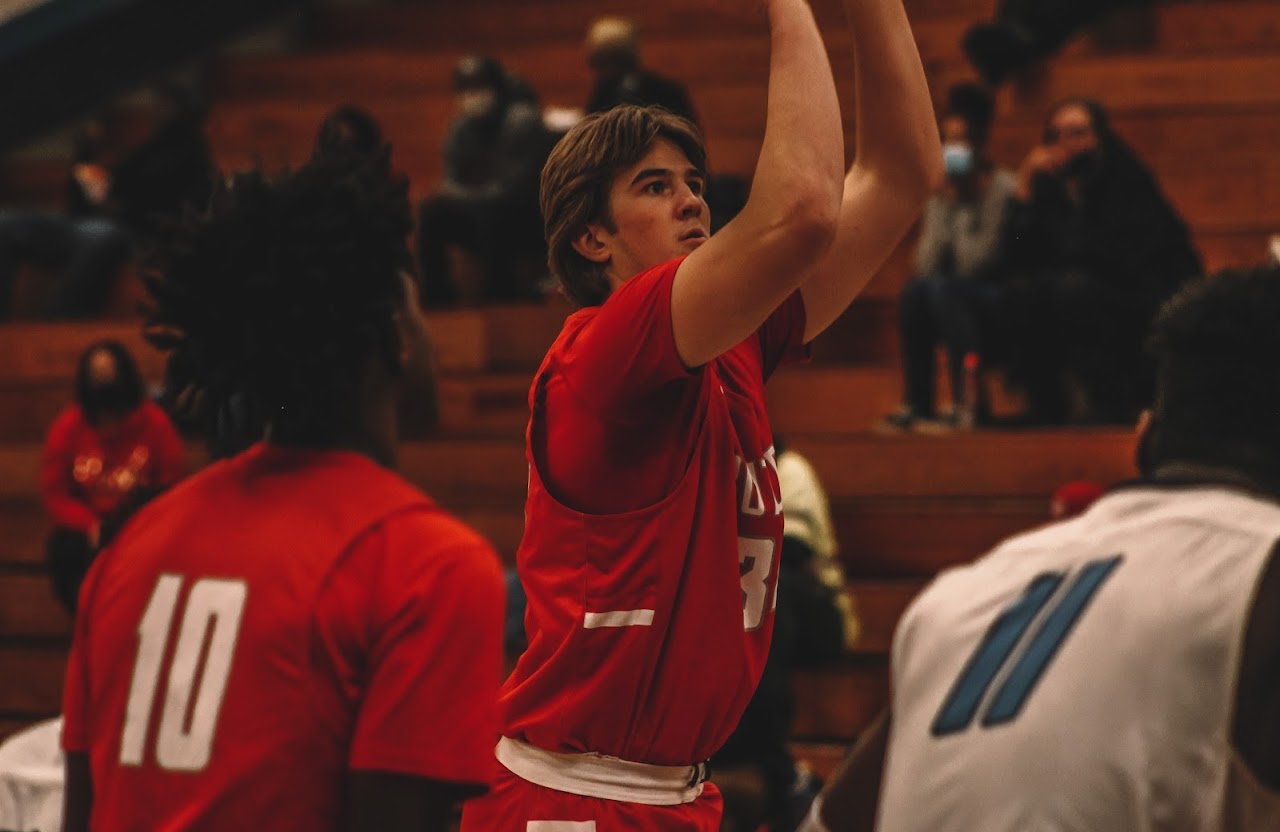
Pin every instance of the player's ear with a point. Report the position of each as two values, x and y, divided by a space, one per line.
593 244
402 337
1145 452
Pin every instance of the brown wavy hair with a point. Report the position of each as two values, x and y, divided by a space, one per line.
579 174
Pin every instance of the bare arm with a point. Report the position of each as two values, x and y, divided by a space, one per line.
897 160
850 800
1256 732
730 285
77 799
388 802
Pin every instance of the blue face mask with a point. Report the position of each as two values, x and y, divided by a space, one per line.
958 158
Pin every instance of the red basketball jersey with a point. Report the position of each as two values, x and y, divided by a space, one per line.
653 526
278 619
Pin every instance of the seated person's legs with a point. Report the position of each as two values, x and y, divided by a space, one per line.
918 332
29 237
97 249
444 220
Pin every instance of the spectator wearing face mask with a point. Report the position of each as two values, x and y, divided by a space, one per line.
952 298
102 451
1093 247
487 204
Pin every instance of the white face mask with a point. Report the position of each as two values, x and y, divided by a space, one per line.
476 102
958 158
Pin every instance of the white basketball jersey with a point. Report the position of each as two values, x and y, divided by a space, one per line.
1080 678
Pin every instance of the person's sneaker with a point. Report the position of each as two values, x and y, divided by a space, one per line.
962 418
904 418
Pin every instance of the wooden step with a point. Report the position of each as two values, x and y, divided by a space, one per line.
879 605
49 352
503 25
23 531
29 610
919 537
476 404
1177 27
32 686
986 464
1156 82
492 472
835 704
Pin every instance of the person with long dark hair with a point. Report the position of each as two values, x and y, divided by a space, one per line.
951 297
1092 247
109 444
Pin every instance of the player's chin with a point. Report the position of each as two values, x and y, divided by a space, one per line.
691 243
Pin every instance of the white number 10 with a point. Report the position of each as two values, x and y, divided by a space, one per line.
206 642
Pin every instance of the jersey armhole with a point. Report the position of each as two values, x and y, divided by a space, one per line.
1255 732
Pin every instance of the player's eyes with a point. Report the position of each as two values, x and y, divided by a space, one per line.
697 186
657 186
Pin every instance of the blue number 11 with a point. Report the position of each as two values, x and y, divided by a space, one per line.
966 696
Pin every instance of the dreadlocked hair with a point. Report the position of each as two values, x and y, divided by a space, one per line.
274 301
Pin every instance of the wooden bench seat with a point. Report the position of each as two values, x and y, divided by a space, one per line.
834 703
489 472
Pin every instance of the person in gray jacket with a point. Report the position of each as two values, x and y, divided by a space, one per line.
956 255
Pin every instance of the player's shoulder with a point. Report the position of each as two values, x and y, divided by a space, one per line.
643 298
427 535
68 420
35 746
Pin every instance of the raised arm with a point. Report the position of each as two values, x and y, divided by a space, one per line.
727 287
1253 795
897 160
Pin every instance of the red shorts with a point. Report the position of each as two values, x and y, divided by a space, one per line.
513 803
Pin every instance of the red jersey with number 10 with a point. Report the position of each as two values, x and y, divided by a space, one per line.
275 621
653 525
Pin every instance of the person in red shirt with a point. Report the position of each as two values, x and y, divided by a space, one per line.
294 638
653 518
104 450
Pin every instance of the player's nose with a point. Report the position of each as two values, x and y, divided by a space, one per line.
690 203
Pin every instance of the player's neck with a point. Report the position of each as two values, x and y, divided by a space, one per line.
1199 472
372 432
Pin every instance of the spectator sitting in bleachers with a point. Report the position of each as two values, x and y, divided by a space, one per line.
487 204
1092 248
953 293
171 171
613 53
86 246
102 449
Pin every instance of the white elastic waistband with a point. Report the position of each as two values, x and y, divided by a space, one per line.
596 775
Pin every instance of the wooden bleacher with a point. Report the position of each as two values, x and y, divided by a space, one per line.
1197 100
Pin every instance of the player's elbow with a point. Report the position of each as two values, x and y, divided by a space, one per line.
915 177
809 220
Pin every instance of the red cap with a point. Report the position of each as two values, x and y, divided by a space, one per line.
1073 498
